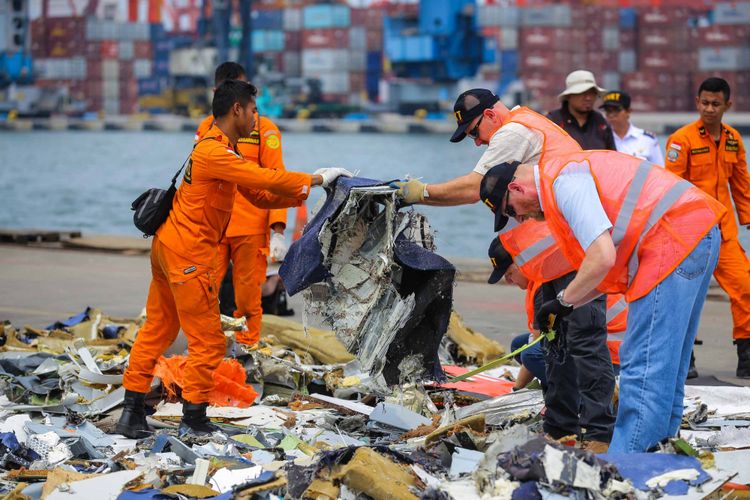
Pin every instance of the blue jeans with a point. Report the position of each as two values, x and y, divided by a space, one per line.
655 354
532 358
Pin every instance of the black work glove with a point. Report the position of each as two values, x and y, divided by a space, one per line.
549 317
545 319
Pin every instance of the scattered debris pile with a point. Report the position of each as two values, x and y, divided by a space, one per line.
365 412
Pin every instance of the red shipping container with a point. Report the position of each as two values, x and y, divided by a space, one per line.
109 49
142 50
94 68
325 39
739 81
292 41
65 28
650 103
374 40
357 81
672 62
127 71
369 18
646 82
628 39
598 62
39 48
667 17
561 39
601 15
69 48
741 103
721 35
552 62
543 83
675 40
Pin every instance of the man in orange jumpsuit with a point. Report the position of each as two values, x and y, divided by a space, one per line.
246 241
184 287
711 155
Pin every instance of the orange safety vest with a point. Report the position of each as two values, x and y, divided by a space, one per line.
555 140
538 257
657 218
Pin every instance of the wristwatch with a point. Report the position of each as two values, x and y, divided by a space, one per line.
561 300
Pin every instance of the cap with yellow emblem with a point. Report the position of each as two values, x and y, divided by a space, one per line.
469 105
493 188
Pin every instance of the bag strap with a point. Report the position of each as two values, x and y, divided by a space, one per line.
174 179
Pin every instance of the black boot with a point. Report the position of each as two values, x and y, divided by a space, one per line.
194 420
692 371
132 422
743 358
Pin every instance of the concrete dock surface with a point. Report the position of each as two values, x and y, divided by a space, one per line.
40 285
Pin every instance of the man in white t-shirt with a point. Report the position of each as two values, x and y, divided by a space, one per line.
630 139
483 117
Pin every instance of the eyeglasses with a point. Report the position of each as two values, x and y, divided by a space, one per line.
474 133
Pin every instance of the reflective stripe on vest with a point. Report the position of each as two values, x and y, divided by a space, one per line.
616 309
661 208
534 250
630 202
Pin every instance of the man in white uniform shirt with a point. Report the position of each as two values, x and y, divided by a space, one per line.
630 139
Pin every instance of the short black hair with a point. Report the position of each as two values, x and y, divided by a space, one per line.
230 92
228 70
715 84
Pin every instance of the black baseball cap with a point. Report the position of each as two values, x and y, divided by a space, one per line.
493 188
616 98
500 259
468 106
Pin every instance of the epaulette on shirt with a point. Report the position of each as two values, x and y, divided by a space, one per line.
649 134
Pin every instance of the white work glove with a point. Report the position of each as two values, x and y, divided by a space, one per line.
331 174
278 247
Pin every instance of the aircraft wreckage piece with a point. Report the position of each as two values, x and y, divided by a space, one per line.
369 271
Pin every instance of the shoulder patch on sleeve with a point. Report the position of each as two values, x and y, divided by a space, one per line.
273 141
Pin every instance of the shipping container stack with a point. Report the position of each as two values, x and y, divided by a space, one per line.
98 61
724 50
658 54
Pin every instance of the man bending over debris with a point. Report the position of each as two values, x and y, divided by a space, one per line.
578 386
184 287
629 227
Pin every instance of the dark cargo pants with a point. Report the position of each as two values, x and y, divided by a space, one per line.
580 387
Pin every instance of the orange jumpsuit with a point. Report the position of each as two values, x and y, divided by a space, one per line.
184 285
246 242
693 155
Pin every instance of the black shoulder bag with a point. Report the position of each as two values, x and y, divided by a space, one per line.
153 206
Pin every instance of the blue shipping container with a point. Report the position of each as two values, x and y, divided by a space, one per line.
628 18
374 61
509 61
268 19
326 16
268 40
157 32
489 51
419 48
438 17
150 86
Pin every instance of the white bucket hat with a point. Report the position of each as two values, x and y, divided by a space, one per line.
578 82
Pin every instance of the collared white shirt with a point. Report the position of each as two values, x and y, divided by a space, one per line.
641 144
511 142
